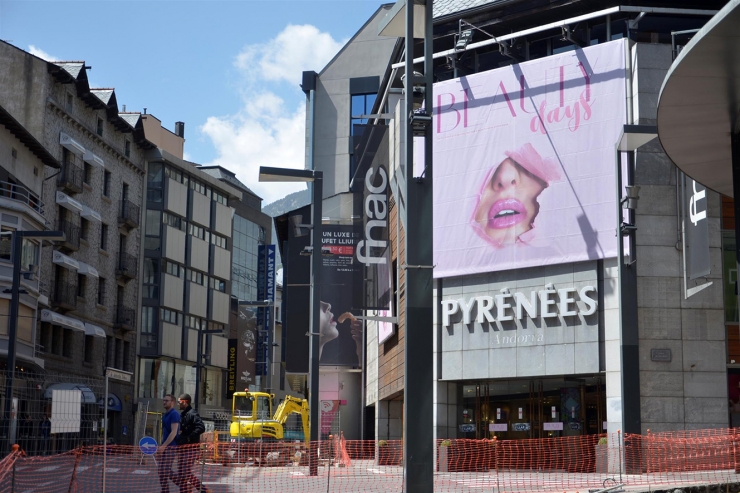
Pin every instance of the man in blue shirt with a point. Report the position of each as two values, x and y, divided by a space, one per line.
166 451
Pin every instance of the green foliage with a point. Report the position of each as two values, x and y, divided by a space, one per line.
603 441
445 443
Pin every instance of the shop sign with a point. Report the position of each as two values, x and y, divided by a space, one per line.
575 426
662 355
548 302
498 427
552 426
520 427
467 428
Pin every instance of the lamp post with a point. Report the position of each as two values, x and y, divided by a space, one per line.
632 137
17 239
269 174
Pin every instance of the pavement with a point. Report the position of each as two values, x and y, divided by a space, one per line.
126 474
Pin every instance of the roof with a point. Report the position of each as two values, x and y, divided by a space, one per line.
698 103
221 173
23 135
442 8
159 154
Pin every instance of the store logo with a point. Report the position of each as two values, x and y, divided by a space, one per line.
376 216
548 302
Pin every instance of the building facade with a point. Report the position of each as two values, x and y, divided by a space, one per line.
186 279
531 334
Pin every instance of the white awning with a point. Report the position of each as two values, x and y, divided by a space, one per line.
68 202
87 270
62 320
91 158
67 262
91 215
88 396
94 330
71 144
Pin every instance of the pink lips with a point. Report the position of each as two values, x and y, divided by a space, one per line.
506 213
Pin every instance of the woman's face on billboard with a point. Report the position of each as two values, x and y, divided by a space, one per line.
328 327
508 203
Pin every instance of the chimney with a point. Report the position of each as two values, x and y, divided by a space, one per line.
180 129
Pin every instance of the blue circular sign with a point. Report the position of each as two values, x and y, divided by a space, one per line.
148 445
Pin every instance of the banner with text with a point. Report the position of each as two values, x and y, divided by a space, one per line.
524 160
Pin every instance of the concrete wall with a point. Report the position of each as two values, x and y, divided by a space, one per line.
201 207
172 292
198 254
198 300
690 391
366 54
177 197
174 241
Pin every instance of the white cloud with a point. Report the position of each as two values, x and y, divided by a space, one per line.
41 54
269 129
293 50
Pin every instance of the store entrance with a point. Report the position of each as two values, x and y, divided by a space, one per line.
534 408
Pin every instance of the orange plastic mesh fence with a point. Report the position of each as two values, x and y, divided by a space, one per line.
655 460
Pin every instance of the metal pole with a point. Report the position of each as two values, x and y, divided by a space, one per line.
105 430
270 318
12 334
318 186
198 357
735 146
418 422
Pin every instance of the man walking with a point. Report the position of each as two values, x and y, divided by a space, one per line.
166 451
192 427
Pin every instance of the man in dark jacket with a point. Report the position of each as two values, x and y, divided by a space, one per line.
191 427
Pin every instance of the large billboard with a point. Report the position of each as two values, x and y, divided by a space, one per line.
524 160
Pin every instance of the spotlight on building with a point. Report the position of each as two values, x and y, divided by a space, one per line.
299 229
463 39
630 200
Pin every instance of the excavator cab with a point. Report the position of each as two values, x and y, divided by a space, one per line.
251 405
251 417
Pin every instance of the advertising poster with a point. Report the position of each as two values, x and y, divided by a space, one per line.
246 346
524 160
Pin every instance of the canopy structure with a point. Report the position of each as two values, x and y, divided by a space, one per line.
88 397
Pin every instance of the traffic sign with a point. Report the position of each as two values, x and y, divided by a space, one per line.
148 445
121 375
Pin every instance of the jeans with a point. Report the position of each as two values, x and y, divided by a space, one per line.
164 468
186 457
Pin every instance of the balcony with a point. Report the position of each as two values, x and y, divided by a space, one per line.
127 267
125 318
21 194
128 214
71 235
64 295
70 178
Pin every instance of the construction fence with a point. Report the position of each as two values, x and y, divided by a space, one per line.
656 461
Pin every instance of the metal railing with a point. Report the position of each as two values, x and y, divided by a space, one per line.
64 294
129 213
71 234
70 177
125 317
127 265
19 193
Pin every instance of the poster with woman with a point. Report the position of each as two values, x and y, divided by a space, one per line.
524 160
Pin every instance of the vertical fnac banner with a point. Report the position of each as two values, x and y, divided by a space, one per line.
524 162
697 229
371 186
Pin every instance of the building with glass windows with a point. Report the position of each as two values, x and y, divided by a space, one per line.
186 279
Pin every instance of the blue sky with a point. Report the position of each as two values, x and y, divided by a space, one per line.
229 69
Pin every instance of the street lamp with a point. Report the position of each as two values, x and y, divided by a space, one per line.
631 138
269 174
17 239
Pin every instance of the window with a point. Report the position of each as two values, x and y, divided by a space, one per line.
196 277
218 240
170 316
218 284
173 269
173 221
85 229
67 343
87 175
103 236
99 128
89 348
124 192
154 182
101 291
56 340
106 184
200 188
68 157
198 232
220 198
29 253
362 104
70 102
81 285
6 243
195 322
151 278
215 326
173 173
127 148
148 327
126 356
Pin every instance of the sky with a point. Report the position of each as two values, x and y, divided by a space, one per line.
229 69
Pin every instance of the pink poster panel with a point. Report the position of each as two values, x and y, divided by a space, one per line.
524 160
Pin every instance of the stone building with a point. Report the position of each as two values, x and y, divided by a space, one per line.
95 198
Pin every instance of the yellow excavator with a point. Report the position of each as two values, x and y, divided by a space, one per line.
252 418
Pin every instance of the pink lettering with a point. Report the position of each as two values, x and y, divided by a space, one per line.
506 97
450 107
